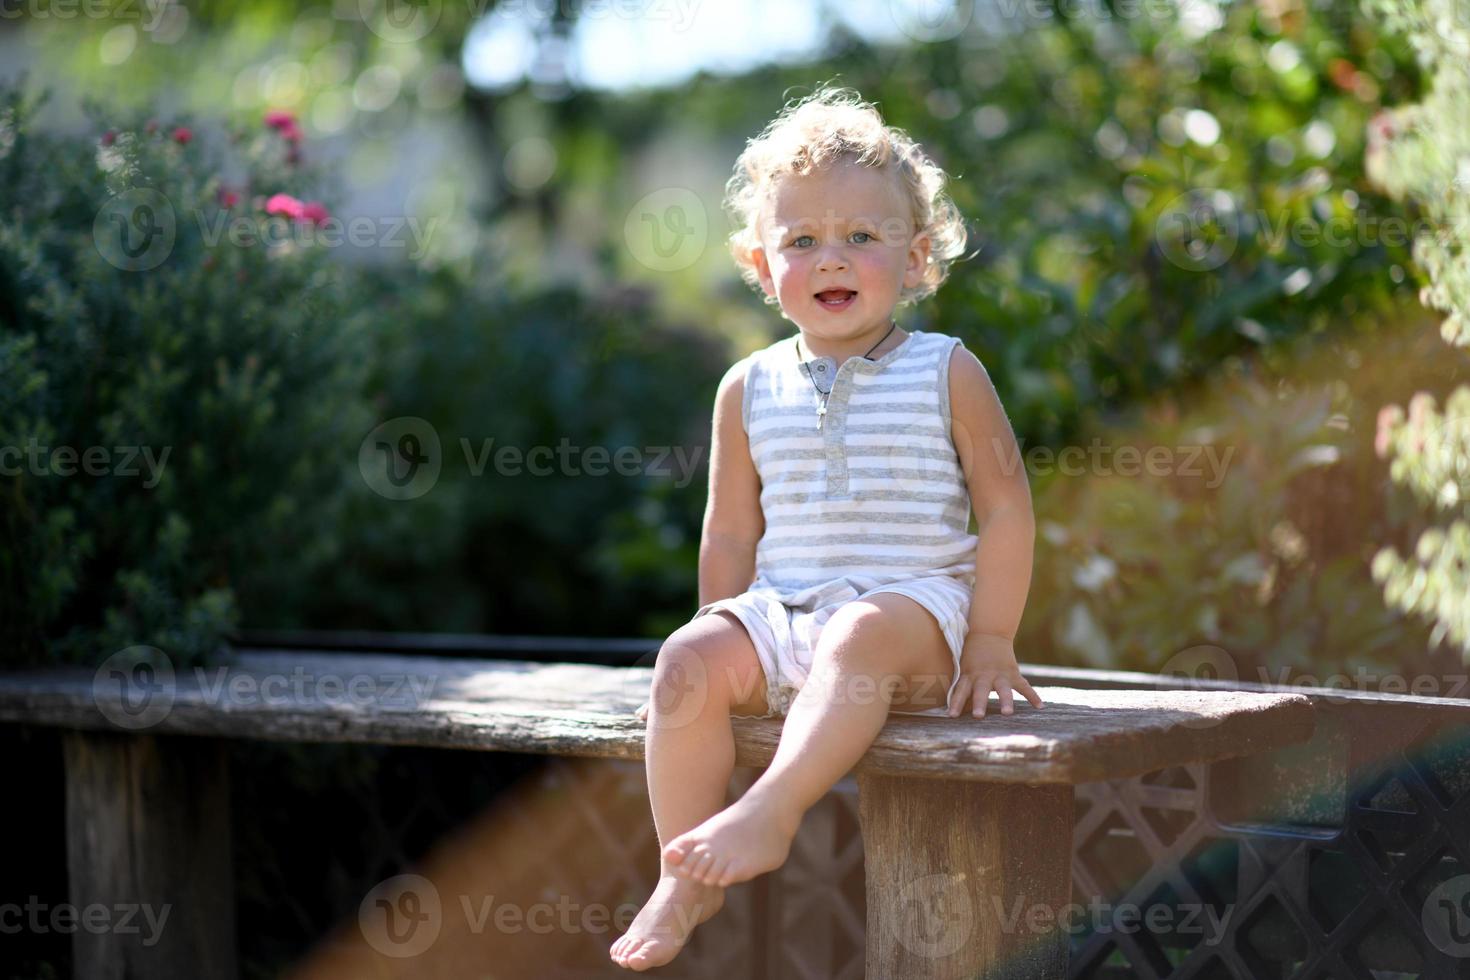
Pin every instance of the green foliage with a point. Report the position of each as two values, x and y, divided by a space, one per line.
1251 533
1078 145
1430 453
1421 152
553 543
171 432
1087 155
1158 204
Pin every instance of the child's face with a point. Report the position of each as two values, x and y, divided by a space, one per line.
844 229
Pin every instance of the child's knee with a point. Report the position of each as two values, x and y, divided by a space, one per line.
718 666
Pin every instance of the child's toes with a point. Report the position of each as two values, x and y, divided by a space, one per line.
707 873
676 852
690 866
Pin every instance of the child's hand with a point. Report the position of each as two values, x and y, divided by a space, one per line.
989 661
642 711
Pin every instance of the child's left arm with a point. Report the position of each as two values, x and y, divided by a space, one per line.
1001 498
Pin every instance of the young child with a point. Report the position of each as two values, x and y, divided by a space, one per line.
838 580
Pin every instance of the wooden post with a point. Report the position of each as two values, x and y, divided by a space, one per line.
966 879
148 840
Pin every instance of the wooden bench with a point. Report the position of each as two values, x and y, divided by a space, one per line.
966 823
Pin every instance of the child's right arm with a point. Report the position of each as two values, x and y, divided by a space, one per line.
733 521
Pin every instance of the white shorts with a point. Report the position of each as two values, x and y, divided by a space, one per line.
785 634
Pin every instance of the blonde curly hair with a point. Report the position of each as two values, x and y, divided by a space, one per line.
835 124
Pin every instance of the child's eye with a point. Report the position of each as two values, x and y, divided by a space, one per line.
802 238
866 237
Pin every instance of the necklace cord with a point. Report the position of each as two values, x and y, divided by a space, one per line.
822 409
893 325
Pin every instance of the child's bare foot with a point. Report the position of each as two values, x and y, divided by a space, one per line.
663 925
749 837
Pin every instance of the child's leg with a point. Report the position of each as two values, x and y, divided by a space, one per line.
868 649
705 671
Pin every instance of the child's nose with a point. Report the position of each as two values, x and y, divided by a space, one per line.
831 259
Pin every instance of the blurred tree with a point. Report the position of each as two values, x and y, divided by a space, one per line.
1421 152
178 376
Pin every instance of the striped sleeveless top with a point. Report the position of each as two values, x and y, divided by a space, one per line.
876 495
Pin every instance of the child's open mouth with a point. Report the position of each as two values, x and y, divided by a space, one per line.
836 299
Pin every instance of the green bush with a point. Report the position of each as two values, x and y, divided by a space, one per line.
226 376
1419 153
1256 563
567 550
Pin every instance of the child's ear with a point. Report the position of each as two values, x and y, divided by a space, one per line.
918 259
757 256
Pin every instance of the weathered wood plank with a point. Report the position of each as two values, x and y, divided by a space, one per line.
580 710
965 880
148 841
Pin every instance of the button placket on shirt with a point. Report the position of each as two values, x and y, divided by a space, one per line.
835 430
825 373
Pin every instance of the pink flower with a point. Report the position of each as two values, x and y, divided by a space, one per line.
108 138
315 212
284 204
227 198
1381 127
291 133
182 135
279 119
1389 417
